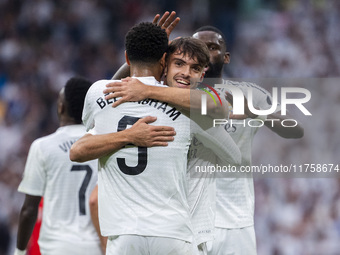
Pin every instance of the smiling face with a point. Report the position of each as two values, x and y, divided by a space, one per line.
217 50
183 71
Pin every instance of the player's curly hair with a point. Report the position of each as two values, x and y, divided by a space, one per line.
192 47
146 43
212 29
75 91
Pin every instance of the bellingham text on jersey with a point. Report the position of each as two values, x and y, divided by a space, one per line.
172 112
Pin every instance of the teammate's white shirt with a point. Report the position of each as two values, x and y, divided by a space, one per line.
150 198
201 182
235 196
66 187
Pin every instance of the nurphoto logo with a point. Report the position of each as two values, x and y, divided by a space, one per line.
238 104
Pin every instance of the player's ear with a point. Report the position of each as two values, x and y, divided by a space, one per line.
165 71
163 61
60 103
202 76
226 58
127 59
61 107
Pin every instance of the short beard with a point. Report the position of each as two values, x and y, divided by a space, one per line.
214 71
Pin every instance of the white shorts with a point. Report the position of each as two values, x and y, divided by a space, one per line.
238 241
148 245
60 247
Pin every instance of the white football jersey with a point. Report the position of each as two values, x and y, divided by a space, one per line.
235 196
66 187
201 178
142 191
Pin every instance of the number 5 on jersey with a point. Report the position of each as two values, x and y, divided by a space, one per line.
142 151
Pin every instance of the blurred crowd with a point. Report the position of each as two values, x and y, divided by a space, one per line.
45 42
298 39
299 213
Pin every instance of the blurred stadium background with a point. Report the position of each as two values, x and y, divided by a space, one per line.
44 42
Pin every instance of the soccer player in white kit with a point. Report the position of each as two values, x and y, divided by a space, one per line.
139 244
142 195
183 55
234 232
66 225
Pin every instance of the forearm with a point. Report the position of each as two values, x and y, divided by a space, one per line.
286 132
188 99
27 221
221 143
225 147
91 147
177 97
95 219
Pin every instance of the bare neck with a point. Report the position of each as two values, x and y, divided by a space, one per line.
66 121
144 71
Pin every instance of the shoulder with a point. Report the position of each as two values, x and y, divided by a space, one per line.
248 85
95 93
100 84
44 139
41 142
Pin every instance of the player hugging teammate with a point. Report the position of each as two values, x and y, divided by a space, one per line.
140 130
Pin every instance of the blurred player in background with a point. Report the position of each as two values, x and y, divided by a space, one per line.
66 225
234 232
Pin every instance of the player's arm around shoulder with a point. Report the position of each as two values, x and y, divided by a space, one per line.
127 90
131 90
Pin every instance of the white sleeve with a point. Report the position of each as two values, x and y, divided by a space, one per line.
92 131
220 142
94 98
34 177
87 117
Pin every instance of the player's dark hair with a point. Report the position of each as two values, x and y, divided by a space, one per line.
191 47
212 29
75 91
146 43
